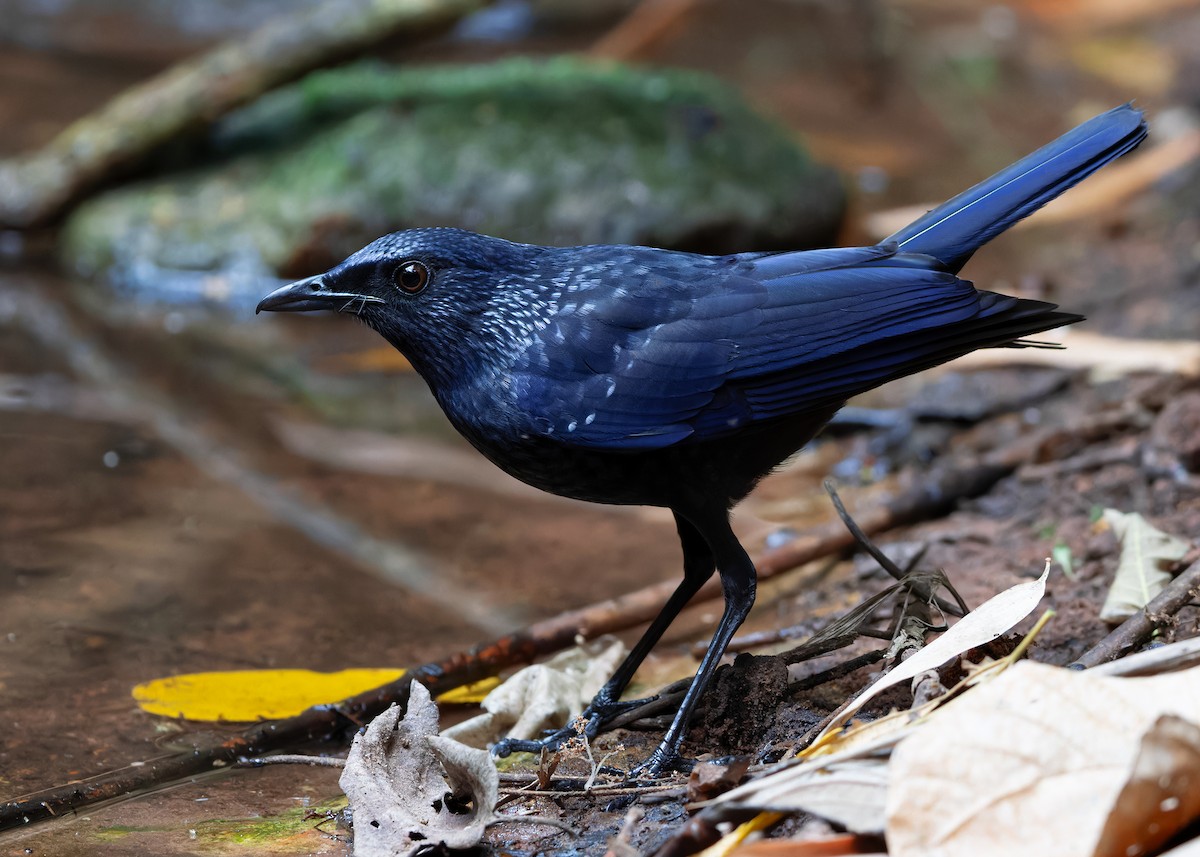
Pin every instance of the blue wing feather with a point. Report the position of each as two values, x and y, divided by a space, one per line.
693 348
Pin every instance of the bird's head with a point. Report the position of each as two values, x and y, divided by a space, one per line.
429 292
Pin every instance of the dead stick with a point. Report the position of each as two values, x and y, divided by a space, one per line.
314 724
1138 627
36 188
947 485
837 671
650 21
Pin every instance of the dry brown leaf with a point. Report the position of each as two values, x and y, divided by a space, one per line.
1147 554
1036 761
410 788
712 777
1187 849
1160 797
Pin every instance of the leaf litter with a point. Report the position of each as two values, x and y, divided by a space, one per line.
1148 556
1116 755
1044 760
1036 759
542 696
410 788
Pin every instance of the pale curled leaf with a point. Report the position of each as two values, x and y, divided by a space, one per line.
542 696
994 617
398 776
1034 762
848 787
851 793
1142 571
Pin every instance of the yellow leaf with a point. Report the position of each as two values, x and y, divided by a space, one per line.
246 695
243 695
469 694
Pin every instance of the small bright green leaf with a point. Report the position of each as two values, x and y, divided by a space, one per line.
1061 553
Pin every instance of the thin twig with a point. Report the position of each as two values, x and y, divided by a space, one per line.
837 671
195 93
1138 628
294 759
595 791
650 21
885 562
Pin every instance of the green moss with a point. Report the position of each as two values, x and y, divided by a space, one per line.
564 152
224 835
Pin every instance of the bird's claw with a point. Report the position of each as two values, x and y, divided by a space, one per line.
593 719
661 762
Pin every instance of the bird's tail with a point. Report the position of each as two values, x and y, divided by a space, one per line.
957 228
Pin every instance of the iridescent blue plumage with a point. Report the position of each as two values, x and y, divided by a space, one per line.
634 375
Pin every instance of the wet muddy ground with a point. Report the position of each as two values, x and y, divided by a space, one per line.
183 490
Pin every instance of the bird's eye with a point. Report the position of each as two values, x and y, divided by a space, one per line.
412 277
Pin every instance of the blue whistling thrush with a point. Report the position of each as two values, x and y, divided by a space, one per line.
633 375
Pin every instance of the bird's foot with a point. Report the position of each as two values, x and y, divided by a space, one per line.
664 760
586 725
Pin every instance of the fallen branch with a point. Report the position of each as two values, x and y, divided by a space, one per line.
1138 627
314 724
36 188
946 485
649 23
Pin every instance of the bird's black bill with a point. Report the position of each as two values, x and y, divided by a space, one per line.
311 295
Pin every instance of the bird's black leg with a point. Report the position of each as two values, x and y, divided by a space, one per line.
739 580
698 566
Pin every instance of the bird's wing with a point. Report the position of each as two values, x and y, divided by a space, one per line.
629 367
681 353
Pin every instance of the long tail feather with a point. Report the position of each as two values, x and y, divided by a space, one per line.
957 228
